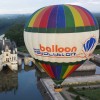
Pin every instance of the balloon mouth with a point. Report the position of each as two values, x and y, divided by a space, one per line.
58 81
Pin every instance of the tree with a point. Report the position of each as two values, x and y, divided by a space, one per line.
15 33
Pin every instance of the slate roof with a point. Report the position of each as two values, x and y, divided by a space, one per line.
7 42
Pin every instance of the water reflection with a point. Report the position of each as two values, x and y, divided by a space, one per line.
24 84
8 81
20 85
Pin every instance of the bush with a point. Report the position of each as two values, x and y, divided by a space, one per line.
71 89
98 47
83 88
77 97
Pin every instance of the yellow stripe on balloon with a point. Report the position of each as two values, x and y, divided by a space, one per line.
41 66
77 17
70 67
34 17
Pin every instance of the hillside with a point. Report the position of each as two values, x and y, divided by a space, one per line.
8 20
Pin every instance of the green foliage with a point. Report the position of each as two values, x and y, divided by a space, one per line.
98 47
13 27
5 24
22 49
92 94
96 51
71 89
8 20
83 88
98 19
77 97
15 33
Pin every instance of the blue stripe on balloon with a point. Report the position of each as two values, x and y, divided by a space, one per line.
58 70
60 18
52 18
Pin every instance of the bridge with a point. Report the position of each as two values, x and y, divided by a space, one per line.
13 66
27 59
22 55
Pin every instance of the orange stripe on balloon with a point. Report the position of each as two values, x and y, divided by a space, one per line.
91 20
34 18
38 19
84 16
70 67
74 68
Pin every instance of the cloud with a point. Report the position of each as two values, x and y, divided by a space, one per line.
91 5
29 6
18 11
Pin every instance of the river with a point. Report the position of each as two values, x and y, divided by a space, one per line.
21 85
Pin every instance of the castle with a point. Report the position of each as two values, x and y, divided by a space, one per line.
8 54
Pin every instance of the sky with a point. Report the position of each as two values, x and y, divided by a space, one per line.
29 6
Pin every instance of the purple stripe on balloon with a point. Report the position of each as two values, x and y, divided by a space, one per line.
53 67
52 18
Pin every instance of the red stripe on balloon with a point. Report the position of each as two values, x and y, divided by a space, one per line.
50 70
45 17
47 70
83 15
74 68
38 18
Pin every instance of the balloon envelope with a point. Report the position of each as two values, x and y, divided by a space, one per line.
60 38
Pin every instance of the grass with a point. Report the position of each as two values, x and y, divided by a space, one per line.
92 94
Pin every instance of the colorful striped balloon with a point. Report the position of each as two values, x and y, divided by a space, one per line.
61 38
62 18
58 71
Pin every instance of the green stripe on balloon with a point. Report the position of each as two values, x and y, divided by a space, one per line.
58 81
64 68
61 30
69 18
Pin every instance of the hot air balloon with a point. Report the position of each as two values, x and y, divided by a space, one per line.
61 38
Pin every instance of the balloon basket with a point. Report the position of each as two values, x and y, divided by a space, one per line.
58 88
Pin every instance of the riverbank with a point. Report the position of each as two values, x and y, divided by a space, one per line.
77 82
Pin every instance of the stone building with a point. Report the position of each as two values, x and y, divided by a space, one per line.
8 54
